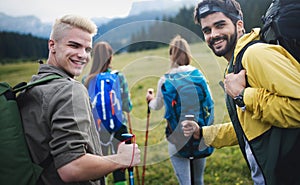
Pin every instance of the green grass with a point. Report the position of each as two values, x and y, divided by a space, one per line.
225 166
15 73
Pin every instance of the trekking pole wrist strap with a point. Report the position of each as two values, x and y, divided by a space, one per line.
200 132
198 135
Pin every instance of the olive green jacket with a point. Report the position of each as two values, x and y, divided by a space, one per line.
58 123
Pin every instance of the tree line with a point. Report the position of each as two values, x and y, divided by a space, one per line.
17 47
253 11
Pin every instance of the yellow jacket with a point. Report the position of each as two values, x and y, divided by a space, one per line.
273 98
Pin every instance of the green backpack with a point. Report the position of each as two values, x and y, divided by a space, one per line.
16 164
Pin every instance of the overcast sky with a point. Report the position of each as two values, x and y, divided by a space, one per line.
49 10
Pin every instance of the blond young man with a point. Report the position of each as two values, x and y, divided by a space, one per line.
57 116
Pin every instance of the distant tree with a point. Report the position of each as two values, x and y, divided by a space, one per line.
160 31
15 46
253 11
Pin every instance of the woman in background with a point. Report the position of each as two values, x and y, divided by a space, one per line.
102 63
180 57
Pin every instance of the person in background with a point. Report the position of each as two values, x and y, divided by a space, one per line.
102 63
57 117
264 114
180 57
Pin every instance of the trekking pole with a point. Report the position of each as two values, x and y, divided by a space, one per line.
127 138
192 170
131 132
191 117
129 123
146 139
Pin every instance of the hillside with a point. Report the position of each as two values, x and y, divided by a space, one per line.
141 10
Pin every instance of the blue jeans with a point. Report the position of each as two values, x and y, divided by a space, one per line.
182 170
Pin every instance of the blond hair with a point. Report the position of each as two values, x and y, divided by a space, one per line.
179 51
72 21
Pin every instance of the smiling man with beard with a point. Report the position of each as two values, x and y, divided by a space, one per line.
264 115
57 117
217 48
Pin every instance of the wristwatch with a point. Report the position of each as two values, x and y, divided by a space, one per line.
239 101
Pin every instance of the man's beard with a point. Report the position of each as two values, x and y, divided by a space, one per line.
229 46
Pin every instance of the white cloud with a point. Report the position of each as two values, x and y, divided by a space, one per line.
48 10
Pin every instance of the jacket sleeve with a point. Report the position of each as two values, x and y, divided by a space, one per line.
219 135
274 77
71 121
158 102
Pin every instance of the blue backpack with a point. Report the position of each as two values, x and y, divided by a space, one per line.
187 93
105 93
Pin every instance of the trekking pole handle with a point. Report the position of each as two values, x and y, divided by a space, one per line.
127 138
150 91
190 117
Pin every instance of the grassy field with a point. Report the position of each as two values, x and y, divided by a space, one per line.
225 166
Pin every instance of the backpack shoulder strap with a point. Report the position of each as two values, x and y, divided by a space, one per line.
238 66
23 85
238 61
114 72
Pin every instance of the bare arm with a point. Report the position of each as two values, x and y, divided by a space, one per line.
91 167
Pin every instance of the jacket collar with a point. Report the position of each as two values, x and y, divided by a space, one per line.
46 69
245 39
